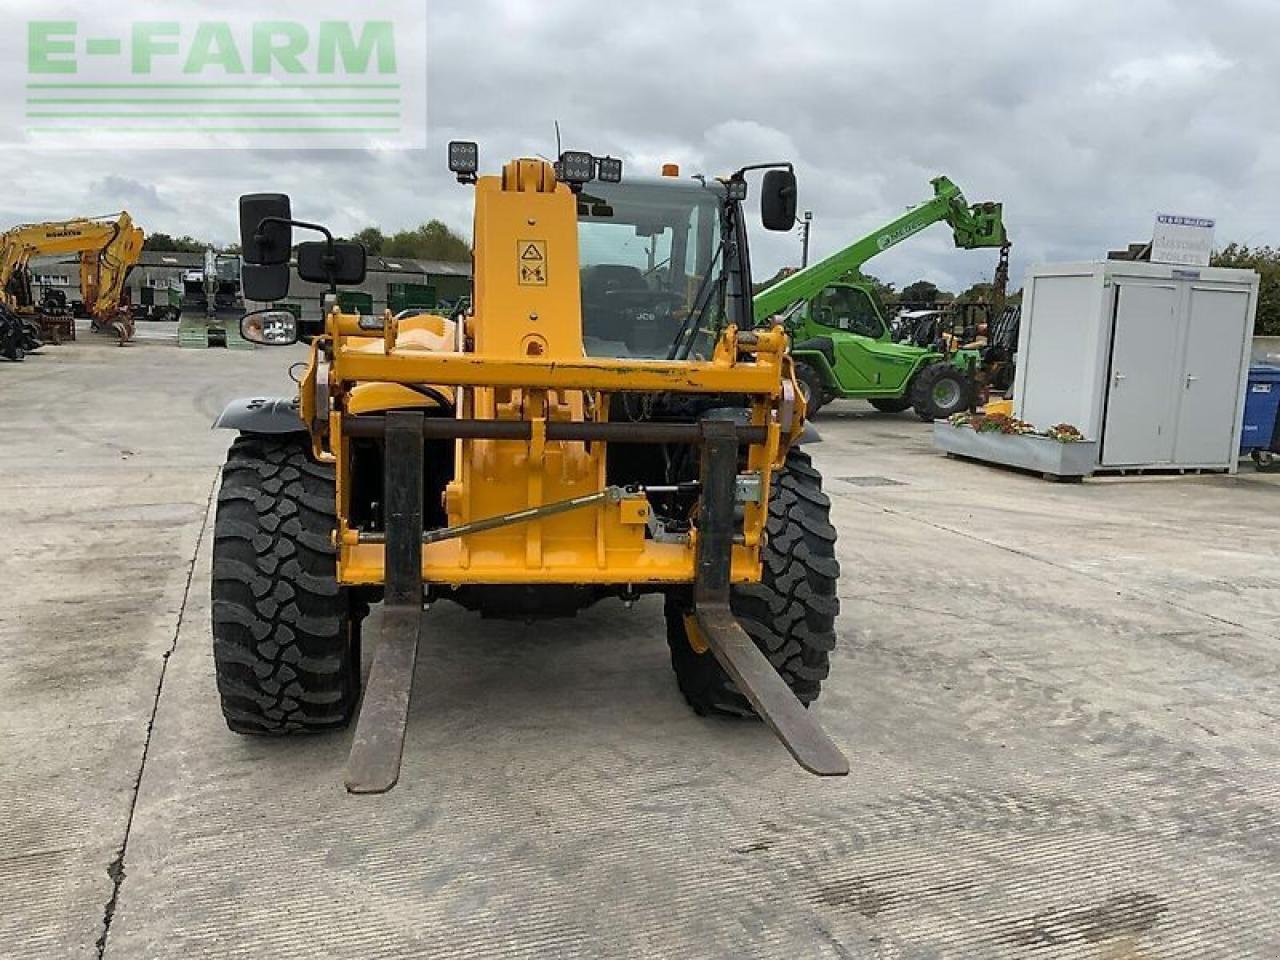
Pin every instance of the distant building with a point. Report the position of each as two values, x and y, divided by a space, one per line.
449 281
158 270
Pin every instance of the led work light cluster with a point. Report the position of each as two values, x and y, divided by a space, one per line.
575 167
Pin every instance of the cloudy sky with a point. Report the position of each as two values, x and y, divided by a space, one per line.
1084 118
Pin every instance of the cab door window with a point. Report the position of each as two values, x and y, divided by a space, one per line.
848 309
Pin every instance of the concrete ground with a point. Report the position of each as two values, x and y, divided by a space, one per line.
1060 704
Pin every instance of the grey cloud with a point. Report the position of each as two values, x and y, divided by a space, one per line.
117 191
1085 118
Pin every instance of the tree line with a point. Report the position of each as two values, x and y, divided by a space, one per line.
433 240
1264 259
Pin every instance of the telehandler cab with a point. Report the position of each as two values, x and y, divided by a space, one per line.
601 423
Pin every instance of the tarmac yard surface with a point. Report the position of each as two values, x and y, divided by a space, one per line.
1059 701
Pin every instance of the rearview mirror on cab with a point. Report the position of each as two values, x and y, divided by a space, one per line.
266 241
264 284
271 328
778 200
266 233
342 263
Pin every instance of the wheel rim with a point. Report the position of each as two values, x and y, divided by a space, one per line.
946 393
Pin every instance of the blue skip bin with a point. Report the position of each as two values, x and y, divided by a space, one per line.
1260 437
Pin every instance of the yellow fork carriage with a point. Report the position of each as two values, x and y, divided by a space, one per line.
599 421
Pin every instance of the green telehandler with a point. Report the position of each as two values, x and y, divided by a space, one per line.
841 344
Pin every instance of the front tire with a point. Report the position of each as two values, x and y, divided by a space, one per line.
790 613
940 391
286 641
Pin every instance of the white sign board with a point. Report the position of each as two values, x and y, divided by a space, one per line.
1187 241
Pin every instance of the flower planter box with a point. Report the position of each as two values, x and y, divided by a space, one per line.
1054 460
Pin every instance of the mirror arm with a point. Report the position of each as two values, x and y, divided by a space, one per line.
775 165
331 258
300 224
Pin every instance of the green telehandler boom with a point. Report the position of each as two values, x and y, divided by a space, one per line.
840 341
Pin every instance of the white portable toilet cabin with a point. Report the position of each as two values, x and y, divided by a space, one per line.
1151 360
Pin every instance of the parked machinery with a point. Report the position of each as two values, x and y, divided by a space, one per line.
601 423
842 345
18 335
108 248
211 304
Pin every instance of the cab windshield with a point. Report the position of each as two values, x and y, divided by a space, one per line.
651 260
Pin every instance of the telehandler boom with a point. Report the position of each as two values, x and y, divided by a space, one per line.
841 343
601 423
972 227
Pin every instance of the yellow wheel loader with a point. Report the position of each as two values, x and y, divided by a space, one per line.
600 422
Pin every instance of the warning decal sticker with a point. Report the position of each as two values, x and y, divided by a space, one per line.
532 265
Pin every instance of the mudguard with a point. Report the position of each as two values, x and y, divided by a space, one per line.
267 415
813 357
822 345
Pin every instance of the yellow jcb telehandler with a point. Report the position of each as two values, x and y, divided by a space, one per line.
603 421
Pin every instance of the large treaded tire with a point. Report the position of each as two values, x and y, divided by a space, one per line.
934 382
790 613
286 644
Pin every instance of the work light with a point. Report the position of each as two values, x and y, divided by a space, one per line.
464 157
609 170
576 166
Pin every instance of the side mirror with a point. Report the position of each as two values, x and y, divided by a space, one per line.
346 266
266 238
271 328
778 200
264 284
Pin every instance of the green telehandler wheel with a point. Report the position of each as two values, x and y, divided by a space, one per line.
940 391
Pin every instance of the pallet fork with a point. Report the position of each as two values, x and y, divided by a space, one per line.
374 762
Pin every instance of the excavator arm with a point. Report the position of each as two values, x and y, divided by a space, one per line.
108 249
973 226
103 272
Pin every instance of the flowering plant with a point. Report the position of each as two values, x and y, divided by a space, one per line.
1013 427
1064 433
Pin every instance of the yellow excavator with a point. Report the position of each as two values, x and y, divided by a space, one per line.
108 248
